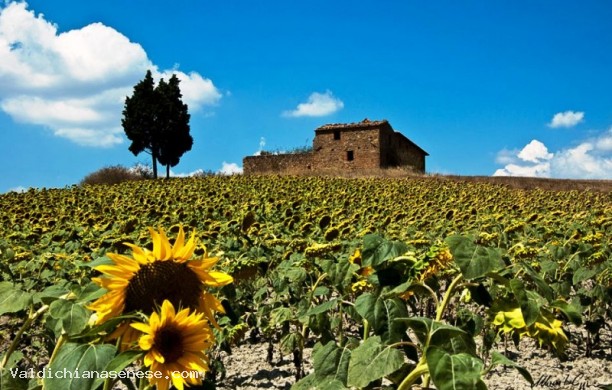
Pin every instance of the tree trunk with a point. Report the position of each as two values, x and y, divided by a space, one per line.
154 157
167 171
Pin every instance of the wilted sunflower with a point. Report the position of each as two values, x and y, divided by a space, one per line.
147 278
175 345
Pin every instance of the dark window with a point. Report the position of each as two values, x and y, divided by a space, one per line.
336 135
349 155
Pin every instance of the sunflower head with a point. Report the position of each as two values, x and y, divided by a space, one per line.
175 343
149 277
510 321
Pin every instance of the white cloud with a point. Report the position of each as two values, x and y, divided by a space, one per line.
262 145
604 143
197 172
536 170
534 152
506 156
230 169
318 104
75 82
566 119
18 189
197 91
589 159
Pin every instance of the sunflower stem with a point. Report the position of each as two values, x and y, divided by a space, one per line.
415 374
60 341
447 296
31 318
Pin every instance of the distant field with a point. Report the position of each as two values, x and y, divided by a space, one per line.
267 229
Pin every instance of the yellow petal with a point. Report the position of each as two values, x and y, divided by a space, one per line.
177 381
220 279
209 262
140 255
144 328
117 271
167 311
124 261
148 359
157 246
146 342
186 252
156 355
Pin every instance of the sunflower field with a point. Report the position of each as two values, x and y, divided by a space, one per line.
393 282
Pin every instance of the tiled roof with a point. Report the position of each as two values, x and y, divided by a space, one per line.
364 123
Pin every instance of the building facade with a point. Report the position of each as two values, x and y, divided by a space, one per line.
362 146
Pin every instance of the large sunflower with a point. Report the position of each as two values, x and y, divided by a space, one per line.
147 278
175 345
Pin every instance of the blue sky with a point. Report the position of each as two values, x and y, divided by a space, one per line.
486 87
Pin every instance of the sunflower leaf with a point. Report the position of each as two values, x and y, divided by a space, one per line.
12 299
119 362
73 316
371 361
475 261
499 359
460 371
72 358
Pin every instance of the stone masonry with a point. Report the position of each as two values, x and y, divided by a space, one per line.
352 147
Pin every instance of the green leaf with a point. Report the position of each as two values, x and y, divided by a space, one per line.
103 260
529 306
310 382
573 310
82 357
73 316
10 380
291 342
377 251
323 307
341 273
280 315
50 294
416 288
542 286
13 299
454 371
427 330
474 261
371 361
381 314
499 359
582 274
90 292
320 290
119 363
296 274
13 359
105 327
331 362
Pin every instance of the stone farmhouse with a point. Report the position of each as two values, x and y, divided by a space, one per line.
352 147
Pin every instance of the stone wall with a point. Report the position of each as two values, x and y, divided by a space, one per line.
399 151
346 149
295 163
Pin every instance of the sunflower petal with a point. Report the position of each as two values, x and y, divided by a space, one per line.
146 343
177 380
141 255
221 278
167 311
144 328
